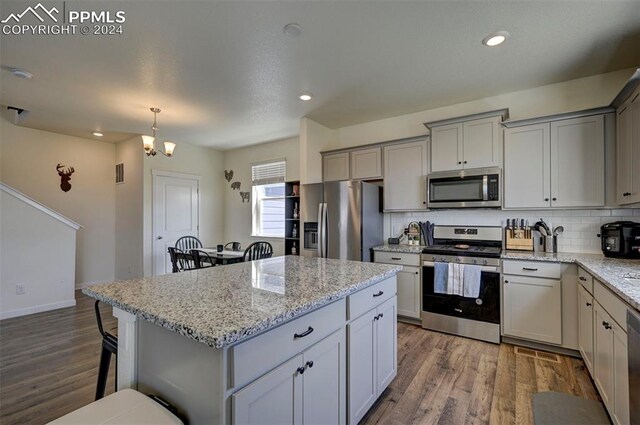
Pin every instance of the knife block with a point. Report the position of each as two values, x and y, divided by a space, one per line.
515 240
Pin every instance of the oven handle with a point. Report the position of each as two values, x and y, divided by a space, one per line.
490 269
485 188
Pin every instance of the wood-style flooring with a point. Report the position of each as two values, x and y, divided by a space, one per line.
49 363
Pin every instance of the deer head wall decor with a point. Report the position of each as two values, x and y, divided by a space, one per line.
65 176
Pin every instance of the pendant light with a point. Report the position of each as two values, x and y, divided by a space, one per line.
148 142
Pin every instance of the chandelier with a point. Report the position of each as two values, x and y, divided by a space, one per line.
148 141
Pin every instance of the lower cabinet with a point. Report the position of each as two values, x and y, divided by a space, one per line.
409 292
532 308
610 364
585 326
310 388
372 357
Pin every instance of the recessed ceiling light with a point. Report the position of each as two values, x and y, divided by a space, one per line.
495 38
305 96
292 30
97 134
21 73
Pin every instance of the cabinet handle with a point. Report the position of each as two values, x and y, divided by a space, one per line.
589 304
506 281
465 162
530 269
606 325
309 364
546 199
381 315
375 317
417 272
300 370
396 258
582 278
303 334
379 293
554 199
458 310
459 162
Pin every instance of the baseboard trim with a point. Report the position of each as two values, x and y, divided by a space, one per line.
36 309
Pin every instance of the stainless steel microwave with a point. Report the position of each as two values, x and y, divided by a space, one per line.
474 188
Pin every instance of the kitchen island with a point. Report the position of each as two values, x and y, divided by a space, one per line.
260 342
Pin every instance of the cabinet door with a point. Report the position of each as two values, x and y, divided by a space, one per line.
446 147
623 154
335 167
482 145
361 358
577 162
533 308
405 173
527 167
386 345
603 354
409 292
366 163
585 326
634 190
620 376
324 381
275 398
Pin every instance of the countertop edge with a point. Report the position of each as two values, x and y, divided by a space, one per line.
242 334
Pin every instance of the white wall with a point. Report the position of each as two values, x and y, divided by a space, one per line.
314 138
129 211
237 214
28 160
575 95
191 159
38 252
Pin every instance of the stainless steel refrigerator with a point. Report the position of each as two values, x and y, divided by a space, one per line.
341 220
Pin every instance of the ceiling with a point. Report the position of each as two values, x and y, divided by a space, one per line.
225 74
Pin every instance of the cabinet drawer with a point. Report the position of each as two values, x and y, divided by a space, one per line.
397 258
585 279
258 355
532 268
370 297
616 308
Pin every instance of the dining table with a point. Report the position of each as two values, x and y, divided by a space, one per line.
225 256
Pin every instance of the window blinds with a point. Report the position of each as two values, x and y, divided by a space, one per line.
268 173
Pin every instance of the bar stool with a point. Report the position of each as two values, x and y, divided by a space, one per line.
123 407
109 347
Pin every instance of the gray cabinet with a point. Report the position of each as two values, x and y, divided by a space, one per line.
585 326
628 151
405 173
557 164
366 163
335 167
473 143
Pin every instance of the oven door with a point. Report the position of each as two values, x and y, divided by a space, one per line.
479 188
485 308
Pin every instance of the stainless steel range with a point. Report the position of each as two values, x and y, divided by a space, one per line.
470 316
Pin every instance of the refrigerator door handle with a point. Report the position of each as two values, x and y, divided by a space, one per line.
320 209
325 242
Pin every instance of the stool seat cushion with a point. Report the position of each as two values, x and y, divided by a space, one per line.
125 407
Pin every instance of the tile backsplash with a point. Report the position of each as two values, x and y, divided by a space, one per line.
581 227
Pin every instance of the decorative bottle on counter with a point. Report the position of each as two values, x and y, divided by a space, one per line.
294 250
294 231
295 210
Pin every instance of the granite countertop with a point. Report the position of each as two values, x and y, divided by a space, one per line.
610 271
407 249
224 305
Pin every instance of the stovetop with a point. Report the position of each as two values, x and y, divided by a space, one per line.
471 251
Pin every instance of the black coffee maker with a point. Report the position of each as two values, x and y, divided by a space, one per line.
621 239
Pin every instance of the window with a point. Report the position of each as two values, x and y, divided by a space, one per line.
268 199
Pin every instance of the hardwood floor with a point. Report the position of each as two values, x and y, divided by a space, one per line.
49 363
443 379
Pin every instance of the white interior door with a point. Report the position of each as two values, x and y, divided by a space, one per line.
175 214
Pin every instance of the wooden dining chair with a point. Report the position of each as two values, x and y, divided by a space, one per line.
258 251
187 243
202 259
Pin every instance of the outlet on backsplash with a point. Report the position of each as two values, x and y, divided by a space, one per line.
581 227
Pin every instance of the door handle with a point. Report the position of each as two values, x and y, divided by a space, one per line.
379 293
303 334
582 278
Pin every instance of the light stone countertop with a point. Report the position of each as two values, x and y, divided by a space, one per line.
407 249
610 271
224 305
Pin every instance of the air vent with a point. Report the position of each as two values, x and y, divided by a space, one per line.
120 173
535 354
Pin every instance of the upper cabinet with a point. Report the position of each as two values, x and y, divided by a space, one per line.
467 142
358 164
555 164
335 167
628 150
405 171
